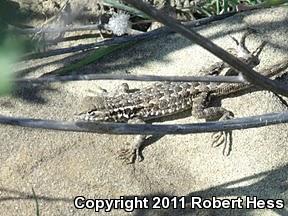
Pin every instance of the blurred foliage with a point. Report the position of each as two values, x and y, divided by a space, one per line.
275 2
8 55
9 44
9 11
203 8
215 7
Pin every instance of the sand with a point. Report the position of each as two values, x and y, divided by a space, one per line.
63 165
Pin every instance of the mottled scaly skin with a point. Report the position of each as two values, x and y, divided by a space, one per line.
155 101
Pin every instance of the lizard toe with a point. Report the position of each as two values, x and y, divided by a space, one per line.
222 138
218 138
130 155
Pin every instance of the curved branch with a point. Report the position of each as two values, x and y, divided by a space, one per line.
276 69
54 30
149 129
226 79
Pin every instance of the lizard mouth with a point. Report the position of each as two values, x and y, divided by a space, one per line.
91 116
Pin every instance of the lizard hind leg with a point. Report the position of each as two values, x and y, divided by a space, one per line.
199 110
223 137
132 153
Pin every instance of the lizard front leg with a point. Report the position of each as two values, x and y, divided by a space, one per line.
201 111
132 153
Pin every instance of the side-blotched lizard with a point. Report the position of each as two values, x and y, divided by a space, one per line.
168 98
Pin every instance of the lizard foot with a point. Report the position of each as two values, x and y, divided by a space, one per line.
130 154
223 137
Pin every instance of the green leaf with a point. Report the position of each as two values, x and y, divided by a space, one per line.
36 201
275 2
91 58
9 51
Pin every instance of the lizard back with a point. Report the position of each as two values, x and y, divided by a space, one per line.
154 101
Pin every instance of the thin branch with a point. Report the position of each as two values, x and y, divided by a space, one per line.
251 75
124 39
274 70
122 128
54 30
226 79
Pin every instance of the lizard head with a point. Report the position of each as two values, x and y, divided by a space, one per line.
89 108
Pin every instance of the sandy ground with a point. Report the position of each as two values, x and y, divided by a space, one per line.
63 165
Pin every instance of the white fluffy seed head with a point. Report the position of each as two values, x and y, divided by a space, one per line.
119 23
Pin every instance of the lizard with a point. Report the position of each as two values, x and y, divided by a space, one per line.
168 98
